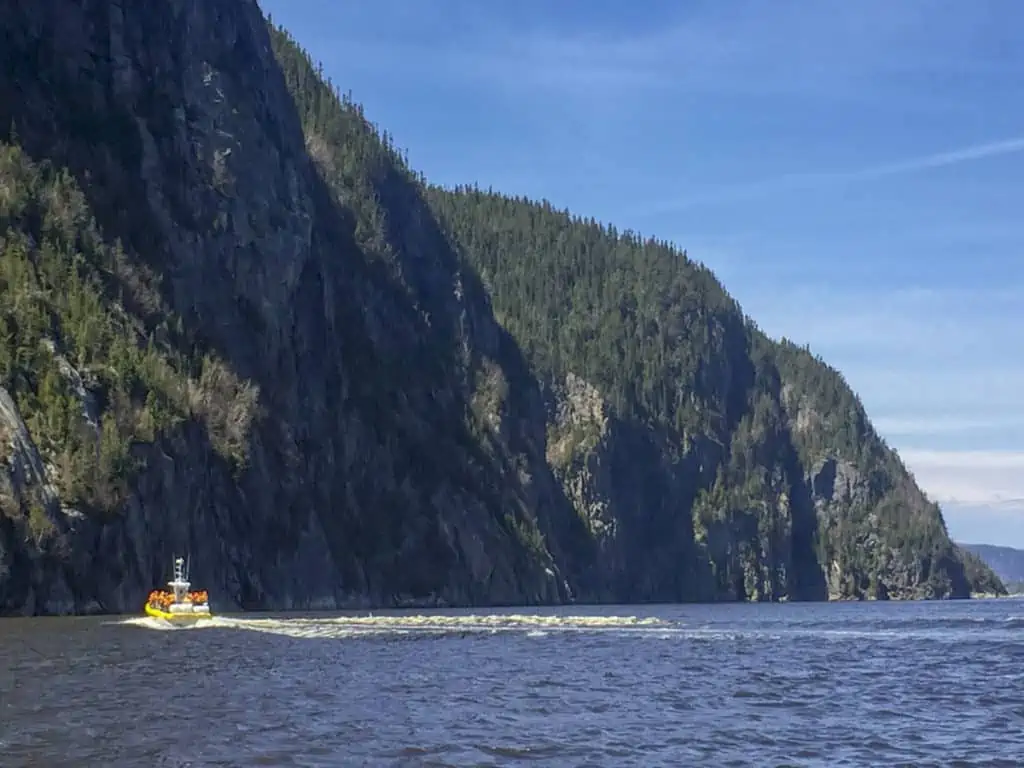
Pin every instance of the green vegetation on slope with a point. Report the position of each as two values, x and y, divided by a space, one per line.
884 522
985 579
651 329
80 368
1005 562
798 462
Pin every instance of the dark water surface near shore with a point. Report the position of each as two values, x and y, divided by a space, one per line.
801 684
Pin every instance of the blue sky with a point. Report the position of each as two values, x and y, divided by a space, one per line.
851 171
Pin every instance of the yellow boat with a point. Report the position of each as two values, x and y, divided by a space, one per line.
179 605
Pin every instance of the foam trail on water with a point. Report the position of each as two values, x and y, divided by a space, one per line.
352 626
355 626
151 622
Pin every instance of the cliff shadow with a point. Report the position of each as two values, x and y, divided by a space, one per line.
808 581
464 334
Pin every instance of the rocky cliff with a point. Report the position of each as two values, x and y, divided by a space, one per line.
1007 563
710 461
233 322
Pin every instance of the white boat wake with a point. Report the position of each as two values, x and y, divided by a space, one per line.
356 626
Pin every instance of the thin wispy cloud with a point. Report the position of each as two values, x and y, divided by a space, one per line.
984 524
990 478
936 424
743 48
918 326
807 181
749 48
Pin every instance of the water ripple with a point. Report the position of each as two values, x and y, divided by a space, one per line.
796 685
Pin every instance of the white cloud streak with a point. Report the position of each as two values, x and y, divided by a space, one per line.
989 478
804 181
749 48
894 330
902 426
994 524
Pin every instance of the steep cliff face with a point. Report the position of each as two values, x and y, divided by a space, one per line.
1007 563
311 438
708 461
234 323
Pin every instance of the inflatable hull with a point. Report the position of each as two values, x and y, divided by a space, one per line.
177 618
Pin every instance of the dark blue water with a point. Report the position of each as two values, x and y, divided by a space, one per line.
916 684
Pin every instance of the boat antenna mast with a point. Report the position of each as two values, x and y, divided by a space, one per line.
180 584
